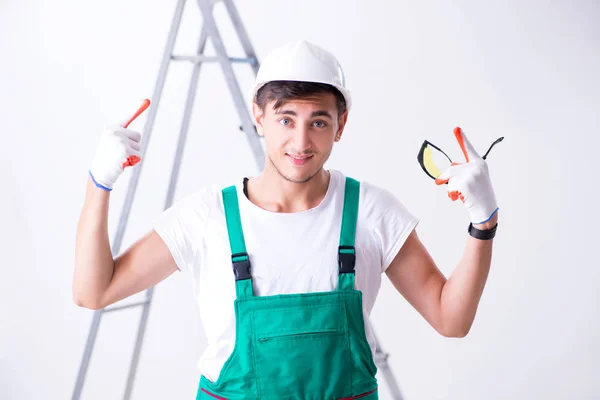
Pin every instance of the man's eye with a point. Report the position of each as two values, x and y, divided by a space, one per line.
319 124
285 121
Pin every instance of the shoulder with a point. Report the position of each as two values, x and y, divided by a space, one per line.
204 197
382 210
376 197
378 202
189 214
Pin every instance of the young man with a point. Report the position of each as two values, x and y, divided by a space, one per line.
287 265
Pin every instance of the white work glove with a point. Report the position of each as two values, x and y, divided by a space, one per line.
470 182
119 148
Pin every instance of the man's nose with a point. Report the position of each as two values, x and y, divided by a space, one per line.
301 138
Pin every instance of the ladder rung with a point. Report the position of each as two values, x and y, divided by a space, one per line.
202 58
117 308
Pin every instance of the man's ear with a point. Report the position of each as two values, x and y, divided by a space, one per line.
258 117
341 125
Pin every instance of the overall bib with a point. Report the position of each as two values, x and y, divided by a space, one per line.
307 346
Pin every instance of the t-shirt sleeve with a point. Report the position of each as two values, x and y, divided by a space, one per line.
181 227
390 221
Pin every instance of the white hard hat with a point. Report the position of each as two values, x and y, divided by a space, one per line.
305 62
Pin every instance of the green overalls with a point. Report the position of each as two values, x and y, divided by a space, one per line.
296 346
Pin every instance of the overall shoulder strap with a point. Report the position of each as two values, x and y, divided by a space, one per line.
239 256
346 250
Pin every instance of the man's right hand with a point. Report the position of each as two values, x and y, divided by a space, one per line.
119 148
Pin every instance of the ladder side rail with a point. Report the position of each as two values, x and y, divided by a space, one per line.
234 88
242 34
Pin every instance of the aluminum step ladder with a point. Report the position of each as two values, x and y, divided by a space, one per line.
209 30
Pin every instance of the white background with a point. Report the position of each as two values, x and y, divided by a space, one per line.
527 71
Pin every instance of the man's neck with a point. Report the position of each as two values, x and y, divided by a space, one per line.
272 192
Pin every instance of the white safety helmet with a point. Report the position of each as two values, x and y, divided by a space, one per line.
305 62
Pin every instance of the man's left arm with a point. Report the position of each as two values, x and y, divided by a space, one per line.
450 305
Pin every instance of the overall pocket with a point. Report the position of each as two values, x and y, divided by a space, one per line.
302 352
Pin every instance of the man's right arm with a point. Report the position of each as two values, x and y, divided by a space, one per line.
99 279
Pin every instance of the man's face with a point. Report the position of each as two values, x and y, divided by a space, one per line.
300 134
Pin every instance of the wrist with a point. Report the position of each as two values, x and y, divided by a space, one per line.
96 200
489 224
485 230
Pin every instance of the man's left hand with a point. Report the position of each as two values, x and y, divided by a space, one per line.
470 182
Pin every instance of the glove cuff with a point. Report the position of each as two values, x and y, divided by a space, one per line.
480 216
98 184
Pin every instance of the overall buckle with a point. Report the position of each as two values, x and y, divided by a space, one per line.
241 268
346 260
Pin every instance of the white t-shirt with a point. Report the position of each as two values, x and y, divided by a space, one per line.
289 252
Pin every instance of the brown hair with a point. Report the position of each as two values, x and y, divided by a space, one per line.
283 91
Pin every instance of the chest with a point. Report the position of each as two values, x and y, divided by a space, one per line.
286 258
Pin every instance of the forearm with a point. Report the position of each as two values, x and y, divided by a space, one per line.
463 290
94 264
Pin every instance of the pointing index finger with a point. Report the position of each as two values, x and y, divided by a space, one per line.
465 145
145 104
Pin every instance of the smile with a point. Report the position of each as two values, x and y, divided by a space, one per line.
299 160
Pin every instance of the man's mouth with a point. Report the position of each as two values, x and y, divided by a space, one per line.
299 159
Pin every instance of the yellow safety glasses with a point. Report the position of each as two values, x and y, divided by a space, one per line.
434 161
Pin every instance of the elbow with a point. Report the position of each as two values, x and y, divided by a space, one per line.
457 331
83 301
457 334
90 305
